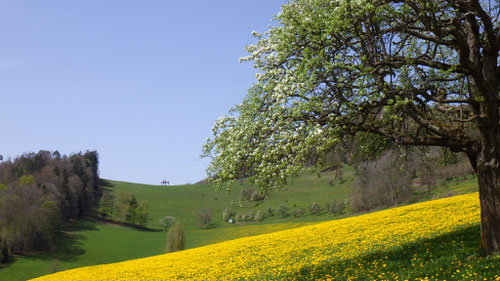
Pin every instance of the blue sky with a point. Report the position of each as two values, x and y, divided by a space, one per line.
141 82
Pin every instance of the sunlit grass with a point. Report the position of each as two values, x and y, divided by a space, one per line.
347 249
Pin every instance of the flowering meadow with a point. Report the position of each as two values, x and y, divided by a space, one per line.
425 241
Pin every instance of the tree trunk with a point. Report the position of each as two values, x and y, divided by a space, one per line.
488 156
489 195
488 174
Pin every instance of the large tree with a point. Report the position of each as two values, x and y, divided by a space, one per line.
414 72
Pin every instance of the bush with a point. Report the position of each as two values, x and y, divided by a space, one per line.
328 207
244 216
335 208
340 208
167 222
270 212
227 214
299 212
248 216
284 211
246 193
136 213
142 214
205 218
239 216
131 205
256 197
259 216
106 205
314 209
176 239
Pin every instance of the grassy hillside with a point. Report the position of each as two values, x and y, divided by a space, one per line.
183 202
92 242
425 241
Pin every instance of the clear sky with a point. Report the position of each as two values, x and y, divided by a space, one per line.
141 82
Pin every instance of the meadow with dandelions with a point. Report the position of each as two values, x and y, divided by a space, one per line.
425 241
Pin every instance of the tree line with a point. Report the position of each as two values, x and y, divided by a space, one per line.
123 208
388 179
39 192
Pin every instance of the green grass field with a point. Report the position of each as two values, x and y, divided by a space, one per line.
91 242
435 240
452 256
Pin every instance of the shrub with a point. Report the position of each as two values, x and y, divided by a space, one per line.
205 218
256 197
106 205
248 216
299 212
136 213
284 211
244 216
340 208
120 205
142 214
259 216
239 216
332 208
246 193
328 206
176 239
167 222
315 209
270 212
227 214
335 208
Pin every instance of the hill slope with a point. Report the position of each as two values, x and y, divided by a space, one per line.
91 242
315 251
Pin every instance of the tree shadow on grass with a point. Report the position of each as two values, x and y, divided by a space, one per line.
68 244
80 224
105 183
451 256
124 224
212 225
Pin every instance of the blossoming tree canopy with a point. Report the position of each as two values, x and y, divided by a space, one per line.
415 72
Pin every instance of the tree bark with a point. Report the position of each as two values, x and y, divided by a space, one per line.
488 173
485 89
489 195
